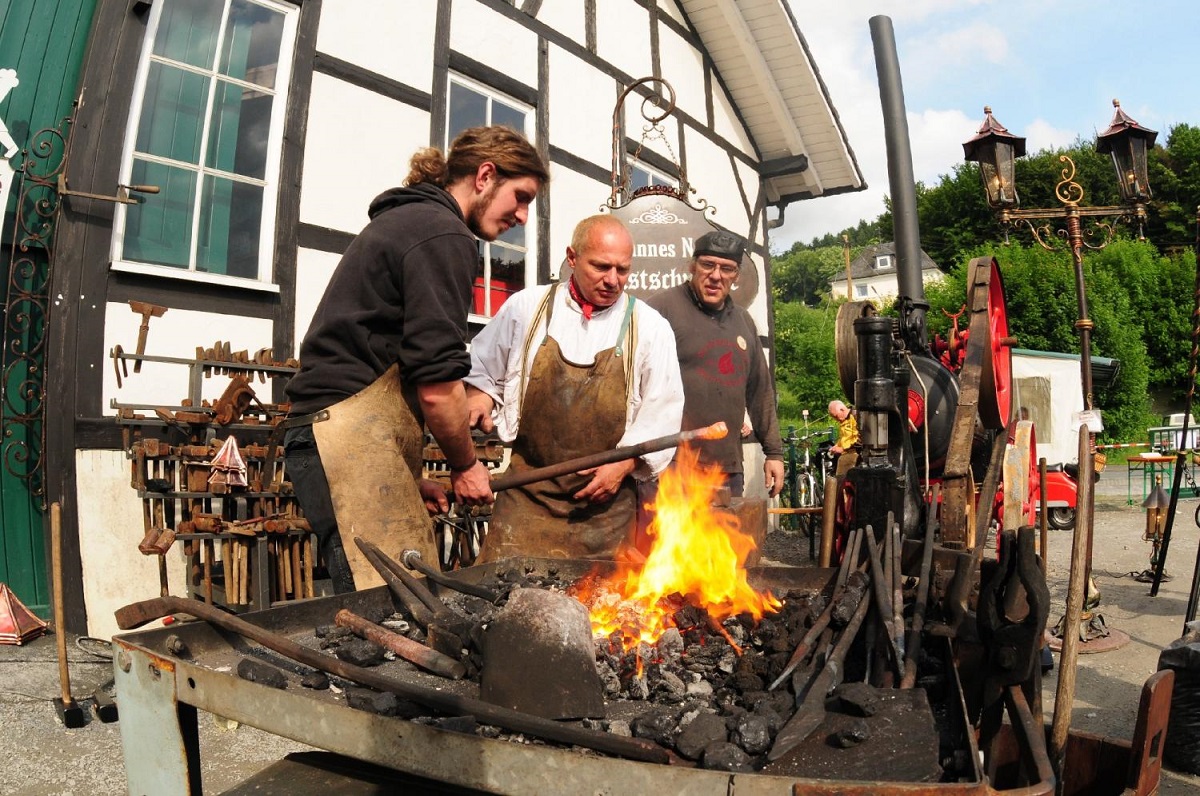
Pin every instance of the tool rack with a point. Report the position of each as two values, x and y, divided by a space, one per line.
247 547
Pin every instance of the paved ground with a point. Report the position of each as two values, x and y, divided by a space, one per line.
38 756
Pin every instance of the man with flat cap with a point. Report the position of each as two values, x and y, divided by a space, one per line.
721 359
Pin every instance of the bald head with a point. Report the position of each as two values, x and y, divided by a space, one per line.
600 256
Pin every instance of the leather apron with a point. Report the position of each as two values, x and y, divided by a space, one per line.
371 448
568 410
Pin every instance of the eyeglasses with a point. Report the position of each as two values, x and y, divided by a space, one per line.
708 266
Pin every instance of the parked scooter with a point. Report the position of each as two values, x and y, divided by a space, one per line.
1062 487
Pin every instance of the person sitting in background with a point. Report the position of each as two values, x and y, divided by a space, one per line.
846 447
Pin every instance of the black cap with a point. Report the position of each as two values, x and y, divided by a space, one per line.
719 243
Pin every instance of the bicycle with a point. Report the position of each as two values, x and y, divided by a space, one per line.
806 467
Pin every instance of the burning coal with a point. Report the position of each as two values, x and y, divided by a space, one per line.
697 557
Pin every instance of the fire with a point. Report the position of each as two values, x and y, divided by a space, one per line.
697 556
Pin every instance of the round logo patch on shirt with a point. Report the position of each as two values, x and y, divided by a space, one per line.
741 341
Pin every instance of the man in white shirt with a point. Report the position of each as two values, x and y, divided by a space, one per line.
568 370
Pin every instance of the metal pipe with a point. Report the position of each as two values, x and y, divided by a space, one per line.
902 184
715 431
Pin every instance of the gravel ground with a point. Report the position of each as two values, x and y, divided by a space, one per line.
38 756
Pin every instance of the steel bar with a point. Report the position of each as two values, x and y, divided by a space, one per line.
811 713
420 612
419 589
412 559
1064 695
881 587
138 614
715 431
822 622
912 646
411 651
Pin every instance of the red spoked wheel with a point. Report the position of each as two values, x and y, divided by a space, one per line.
995 388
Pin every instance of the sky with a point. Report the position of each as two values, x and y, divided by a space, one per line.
1049 69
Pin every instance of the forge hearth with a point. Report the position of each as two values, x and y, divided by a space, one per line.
690 692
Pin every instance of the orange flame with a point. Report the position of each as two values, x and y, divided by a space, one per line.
698 554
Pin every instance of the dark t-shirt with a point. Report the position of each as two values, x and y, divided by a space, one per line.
724 374
401 293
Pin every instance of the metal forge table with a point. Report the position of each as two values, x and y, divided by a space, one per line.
165 676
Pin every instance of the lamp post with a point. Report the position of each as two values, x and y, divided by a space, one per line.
995 150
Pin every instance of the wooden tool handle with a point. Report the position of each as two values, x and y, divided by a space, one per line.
60 630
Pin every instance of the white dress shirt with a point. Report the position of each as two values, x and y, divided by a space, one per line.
656 388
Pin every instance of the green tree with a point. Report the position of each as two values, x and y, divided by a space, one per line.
805 361
803 274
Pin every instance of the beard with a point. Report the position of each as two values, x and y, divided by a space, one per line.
478 210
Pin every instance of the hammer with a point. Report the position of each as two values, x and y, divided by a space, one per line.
147 311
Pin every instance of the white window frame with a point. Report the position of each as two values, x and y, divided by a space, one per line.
530 226
656 177
882 261
269 182
860 291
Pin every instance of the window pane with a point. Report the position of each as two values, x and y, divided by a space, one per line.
159 230
508 274
467 109
515 236
187 31
230 223
638 178
508 116
251 50
171 113
237 136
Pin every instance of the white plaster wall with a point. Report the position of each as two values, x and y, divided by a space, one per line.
313 270
623 36
725 121
758 310
574 197
683 68
357 145
566 17
176 334
391 38
493 39
665 143
110 528
671 9
581 105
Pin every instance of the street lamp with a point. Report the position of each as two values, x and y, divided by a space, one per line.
1156 505
995 149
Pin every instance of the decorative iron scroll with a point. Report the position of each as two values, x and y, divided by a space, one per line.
27 307
654 108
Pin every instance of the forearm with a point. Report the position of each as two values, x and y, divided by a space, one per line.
444 405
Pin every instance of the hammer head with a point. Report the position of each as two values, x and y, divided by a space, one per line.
146 309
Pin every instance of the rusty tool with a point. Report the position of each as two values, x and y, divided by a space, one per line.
445 629
406 648
715 431
413 560
811 712
912 647
137 614
69 712
147 311
882 586
806 643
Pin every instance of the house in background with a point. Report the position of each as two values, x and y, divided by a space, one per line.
267 126
873 275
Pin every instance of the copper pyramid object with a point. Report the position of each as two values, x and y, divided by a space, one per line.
17 623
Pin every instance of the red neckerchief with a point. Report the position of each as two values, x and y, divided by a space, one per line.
585 306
